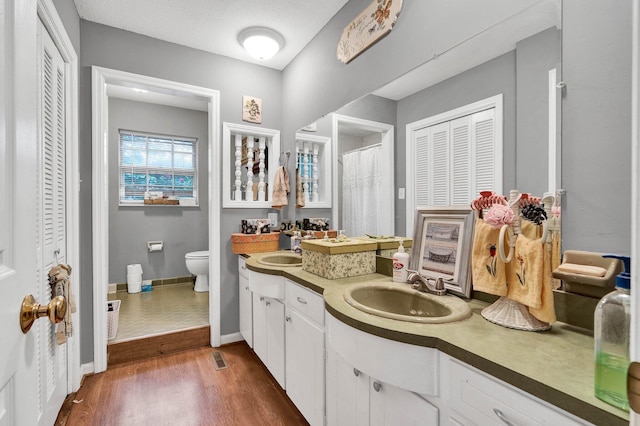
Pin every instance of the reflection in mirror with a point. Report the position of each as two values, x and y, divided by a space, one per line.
518 59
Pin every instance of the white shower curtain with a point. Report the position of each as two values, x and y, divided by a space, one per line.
361 191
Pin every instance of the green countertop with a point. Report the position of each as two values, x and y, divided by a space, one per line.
556 366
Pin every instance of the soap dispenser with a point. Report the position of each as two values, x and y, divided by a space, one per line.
612 324
400 265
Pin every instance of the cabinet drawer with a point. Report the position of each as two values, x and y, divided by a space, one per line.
242 267
305 301
487 401
267 285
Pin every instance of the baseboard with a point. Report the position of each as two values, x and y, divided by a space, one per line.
87 368
231 338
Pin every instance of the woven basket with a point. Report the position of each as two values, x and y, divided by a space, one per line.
255 243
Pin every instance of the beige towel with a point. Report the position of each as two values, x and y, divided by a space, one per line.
489 273
547 311
299 192
280 188
530 229
528 272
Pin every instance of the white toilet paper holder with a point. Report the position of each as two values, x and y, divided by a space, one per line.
155 246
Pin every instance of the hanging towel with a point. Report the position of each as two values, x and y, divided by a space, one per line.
59 279
489 273
280 188
528 272
299 192
530 229
547 311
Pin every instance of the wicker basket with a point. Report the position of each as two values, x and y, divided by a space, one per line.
255 243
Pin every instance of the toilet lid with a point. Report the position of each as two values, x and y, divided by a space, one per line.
197 255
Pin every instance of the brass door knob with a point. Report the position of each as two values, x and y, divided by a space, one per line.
31 311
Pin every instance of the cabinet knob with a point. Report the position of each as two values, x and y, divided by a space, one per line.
267 303
356 372
247 288
503 418
377 386
287 318
261 298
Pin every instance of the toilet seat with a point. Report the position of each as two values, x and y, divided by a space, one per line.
197 255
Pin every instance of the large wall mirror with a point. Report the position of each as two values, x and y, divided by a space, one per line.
519 59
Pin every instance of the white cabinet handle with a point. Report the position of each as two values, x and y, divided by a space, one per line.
503 418
287 318
301 300
377 386
356 372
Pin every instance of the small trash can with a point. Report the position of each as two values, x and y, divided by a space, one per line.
134 278
113 312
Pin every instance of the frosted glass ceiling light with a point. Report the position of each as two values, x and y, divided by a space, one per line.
261 43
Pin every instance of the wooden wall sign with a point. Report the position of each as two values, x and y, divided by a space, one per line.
375 22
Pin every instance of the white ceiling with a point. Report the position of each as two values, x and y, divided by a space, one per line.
213 25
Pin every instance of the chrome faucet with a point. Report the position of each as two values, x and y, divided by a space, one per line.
425 285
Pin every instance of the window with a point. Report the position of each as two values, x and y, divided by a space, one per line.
157 163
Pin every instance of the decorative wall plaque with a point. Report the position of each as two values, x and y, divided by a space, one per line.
252 109
375 22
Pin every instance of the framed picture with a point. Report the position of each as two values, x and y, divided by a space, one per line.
252 109
442 244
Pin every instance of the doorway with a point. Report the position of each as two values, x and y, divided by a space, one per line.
374 140
164 91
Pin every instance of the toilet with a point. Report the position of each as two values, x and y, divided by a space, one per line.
198 264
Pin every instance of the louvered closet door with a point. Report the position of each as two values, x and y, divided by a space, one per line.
52 359
455 160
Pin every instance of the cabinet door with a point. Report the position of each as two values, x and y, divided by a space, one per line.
347 395
246 314
305 366
275 338
394 406
260 327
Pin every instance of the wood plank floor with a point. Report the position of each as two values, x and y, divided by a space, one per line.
184 389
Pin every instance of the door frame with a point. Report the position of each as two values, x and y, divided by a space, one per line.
49 17
387 141
100 198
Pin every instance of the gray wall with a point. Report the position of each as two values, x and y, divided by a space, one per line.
596 125
121 50
182 229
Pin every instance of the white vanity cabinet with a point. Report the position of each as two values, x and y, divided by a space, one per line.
304 333
268 322
375 381
244 294
476 398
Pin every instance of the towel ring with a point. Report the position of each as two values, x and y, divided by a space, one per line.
506 259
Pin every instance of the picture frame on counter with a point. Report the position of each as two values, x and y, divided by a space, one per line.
443 239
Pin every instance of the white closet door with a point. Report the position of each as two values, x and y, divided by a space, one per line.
440 164
422 166
461 162
52 219
485 159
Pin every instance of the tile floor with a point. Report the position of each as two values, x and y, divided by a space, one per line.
169 307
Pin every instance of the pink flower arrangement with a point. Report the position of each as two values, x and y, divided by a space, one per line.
499 215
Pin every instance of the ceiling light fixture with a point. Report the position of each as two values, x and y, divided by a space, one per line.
261 43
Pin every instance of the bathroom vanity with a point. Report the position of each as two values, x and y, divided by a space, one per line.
345 366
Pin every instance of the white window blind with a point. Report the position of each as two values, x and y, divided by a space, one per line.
151 162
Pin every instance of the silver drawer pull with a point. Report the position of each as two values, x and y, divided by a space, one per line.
377 386
301 300
356 372
261 298
503 418
287 318
267 303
